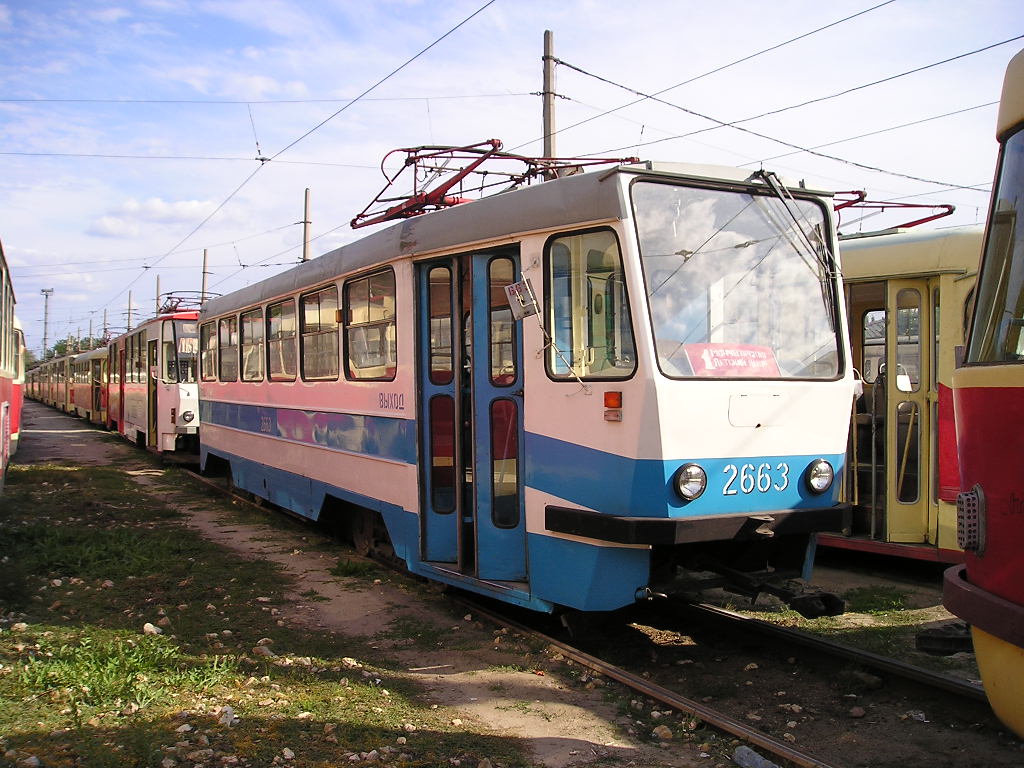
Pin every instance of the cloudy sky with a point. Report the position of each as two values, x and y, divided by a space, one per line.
129 131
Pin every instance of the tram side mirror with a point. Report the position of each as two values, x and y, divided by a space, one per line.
521 299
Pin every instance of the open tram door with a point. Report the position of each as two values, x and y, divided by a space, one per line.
471 401
892 466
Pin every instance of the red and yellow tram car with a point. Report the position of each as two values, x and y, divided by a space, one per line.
988 391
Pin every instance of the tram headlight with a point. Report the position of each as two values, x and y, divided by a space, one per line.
690 481
187 416
819 476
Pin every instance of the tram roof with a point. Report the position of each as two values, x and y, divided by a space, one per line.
911 252
568 201
1011 103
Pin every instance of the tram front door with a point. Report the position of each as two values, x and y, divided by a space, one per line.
471 407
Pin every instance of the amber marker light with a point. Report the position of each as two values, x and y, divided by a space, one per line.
613 406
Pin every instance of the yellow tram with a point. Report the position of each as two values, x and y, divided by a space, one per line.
908 297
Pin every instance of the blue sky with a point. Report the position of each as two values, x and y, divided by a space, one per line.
123 126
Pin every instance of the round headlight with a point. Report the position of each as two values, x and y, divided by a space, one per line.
187 416
819 476
690 481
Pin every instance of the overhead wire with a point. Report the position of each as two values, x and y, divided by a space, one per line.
716 70
735 123
305 135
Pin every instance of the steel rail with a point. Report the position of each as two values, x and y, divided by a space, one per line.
867 658
710 716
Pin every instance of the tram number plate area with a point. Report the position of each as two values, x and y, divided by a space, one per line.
755 478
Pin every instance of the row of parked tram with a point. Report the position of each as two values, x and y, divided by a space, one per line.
623 384
142 384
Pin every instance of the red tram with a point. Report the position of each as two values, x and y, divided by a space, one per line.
988 390
12 368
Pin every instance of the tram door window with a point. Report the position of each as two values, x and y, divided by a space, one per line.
471 391
893 350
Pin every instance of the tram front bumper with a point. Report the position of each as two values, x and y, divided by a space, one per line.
668 531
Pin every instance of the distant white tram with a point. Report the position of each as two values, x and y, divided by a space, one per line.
677 407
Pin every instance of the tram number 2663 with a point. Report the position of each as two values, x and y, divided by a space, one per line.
755 478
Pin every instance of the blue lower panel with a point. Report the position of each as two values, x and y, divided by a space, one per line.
584 576
561 572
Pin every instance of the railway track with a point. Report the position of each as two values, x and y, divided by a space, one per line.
641 678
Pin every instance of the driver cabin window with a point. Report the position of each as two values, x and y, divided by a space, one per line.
588 308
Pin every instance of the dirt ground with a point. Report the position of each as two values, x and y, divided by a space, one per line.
481 682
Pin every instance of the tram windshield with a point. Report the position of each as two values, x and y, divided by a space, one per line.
998 333
181 345
735 287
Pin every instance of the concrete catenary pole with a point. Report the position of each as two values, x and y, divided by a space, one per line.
47 292
305 228
549 95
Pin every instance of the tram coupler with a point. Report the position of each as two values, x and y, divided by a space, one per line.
810 605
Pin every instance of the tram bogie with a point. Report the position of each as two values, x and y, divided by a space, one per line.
679 400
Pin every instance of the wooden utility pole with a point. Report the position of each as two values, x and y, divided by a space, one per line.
549 95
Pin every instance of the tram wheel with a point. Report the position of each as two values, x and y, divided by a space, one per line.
362 532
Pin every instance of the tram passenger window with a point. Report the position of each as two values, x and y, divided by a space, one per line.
227 349
208 352
588 309
251 337
370 340
281 341
319 328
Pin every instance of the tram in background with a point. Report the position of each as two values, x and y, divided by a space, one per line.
152 397
50 382
89 382
908 296
988 391
576 394
12 362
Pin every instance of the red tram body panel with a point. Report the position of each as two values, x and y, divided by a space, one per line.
988 590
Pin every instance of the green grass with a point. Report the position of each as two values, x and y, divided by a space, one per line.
88 559
878 601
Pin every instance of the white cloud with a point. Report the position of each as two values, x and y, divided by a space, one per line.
135 217
110 15
113 226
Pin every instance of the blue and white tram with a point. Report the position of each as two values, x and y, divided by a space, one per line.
679 403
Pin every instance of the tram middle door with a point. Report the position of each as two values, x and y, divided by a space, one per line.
471 397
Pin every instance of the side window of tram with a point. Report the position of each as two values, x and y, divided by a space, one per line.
370 340
588 309
208 352
281 329
227 348
251 338
320 334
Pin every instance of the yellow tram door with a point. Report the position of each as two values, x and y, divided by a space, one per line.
906 374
